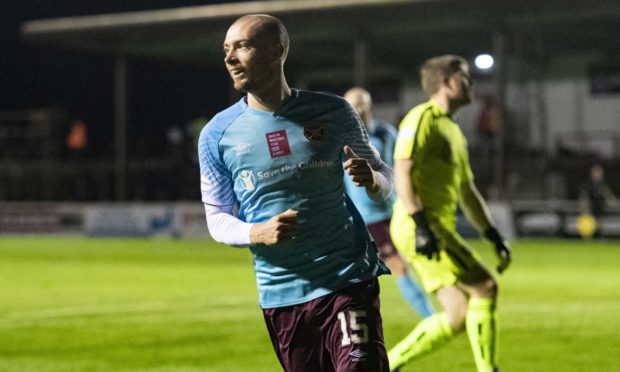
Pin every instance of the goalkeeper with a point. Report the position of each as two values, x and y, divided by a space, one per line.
432 177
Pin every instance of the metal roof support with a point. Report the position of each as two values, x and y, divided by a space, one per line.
498 165
360 57
120 128
541 111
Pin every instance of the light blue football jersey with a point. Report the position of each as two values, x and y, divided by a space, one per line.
383 137
267 162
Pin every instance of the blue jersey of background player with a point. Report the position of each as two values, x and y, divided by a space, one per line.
377 213
272 178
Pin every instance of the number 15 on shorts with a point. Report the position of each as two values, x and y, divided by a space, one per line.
355 331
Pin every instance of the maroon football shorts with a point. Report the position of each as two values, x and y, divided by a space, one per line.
380 232
341 331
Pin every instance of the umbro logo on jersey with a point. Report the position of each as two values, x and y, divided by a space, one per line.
315 132
358 355
242 148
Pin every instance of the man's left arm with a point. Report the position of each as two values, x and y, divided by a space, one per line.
477 212
372 174
363 163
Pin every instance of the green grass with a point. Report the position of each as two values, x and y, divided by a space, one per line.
162 305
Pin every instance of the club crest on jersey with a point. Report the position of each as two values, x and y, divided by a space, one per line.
315 132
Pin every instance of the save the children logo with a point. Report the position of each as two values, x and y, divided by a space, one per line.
247 179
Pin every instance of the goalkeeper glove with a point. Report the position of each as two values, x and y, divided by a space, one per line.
502 248
425 241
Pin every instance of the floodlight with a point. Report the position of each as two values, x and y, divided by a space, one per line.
484 61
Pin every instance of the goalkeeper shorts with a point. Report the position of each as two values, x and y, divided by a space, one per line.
457 261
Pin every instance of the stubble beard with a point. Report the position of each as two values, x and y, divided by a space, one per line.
241 86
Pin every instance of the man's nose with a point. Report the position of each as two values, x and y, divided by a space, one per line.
229 57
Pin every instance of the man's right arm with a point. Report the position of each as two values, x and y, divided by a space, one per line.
225 228
403 169
411 138
425 240
278 228
218 197
216 188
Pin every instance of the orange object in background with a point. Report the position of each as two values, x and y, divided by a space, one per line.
77 137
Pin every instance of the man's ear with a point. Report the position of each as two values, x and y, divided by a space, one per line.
277 52
446 82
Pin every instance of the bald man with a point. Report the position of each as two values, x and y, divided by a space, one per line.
377 213
271 170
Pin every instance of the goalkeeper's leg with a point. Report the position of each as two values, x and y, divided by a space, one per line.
481 288
482 325
434 331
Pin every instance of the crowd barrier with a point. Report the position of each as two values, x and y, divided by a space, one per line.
104 219
187 219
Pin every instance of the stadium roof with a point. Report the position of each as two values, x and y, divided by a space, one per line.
396 34
354 40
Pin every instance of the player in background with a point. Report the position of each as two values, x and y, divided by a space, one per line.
377 214
432 176
272 170
595 197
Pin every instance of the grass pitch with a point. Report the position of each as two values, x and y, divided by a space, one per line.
71 304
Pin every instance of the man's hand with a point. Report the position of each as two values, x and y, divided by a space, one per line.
502 248
425 241
360 171
277 229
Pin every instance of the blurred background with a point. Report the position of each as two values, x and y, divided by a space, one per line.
101 103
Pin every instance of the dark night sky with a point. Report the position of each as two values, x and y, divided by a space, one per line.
161 95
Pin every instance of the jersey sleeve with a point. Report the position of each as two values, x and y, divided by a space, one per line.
225 228
216 185
412 134
356 137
